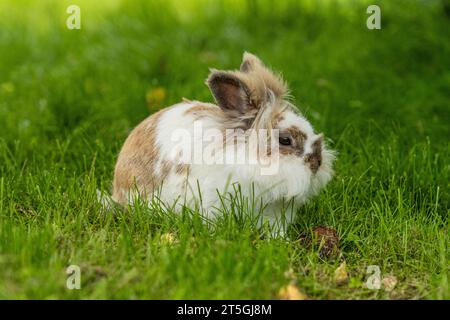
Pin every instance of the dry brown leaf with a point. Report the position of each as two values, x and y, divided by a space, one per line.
340 274
291 292
389 283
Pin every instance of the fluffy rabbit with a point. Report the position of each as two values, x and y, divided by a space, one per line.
196 153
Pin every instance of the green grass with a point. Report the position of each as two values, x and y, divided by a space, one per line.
68 99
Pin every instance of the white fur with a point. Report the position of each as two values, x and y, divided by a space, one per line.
294 181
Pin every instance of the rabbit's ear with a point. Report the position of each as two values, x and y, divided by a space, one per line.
250 62
263 77
230 92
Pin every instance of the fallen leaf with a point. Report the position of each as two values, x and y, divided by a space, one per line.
340 274
168 238
291 292
389 283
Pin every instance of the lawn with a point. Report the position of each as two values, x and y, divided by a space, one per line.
69 98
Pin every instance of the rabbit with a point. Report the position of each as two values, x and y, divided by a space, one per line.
165 154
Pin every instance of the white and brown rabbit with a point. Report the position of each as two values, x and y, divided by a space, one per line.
195 152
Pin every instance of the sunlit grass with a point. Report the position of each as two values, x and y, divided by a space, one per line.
68 99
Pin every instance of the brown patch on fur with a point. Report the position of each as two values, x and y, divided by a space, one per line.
315 158
202 109
298 135
208 110
277 118
298 138
137 161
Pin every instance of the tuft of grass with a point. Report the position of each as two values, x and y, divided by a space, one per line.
68 99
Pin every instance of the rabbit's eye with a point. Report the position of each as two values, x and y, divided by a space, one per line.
285 141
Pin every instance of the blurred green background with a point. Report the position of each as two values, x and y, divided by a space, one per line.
68 99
